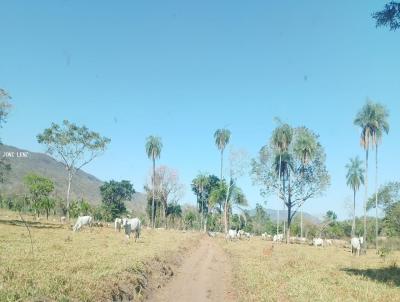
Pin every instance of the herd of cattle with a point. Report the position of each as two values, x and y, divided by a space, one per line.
130 225
355 243
133 225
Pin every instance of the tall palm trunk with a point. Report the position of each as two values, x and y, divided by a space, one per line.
279 193
353 226
153 202
222 163
366 199
301 222
376 196
69 190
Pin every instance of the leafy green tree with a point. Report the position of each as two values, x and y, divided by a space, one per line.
47 204
354 179
174 211
113 195
5 106
39 188
189 219
389 16
392 219
82 208
74 146
231 195
302 183
388 195
202 186
153 151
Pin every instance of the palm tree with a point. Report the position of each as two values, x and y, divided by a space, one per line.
281 140
222 137
230 195
382 126
365 119
305 149
354 179
153 150
201 182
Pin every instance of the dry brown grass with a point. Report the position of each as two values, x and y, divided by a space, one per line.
306 273
92 265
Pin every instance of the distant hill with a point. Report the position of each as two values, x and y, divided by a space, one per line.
283 215
84 185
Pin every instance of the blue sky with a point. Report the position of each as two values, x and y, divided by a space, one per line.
182 69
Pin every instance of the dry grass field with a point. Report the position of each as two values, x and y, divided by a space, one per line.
92 265
306 273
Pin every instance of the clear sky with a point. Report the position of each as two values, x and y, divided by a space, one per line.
182 69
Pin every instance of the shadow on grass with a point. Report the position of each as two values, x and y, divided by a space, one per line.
31 224
389 275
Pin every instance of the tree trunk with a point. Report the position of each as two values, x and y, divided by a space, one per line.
222 161
221 179
366 200
69 190
376 196
47 214
153 202
226 216
205 223
279 192
165 216
353 226
289 220
201 213
301 222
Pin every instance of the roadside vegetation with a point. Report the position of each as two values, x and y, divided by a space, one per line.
307 273
96 264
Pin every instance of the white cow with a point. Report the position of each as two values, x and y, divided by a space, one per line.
118 224
318 242
132 225
328 242
231 235
278 238
82 221
240 234
356 243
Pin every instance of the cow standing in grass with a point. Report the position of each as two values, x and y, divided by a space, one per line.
318 242
130 226
356 243
82 221
231 235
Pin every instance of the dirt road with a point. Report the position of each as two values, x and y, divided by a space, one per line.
205 275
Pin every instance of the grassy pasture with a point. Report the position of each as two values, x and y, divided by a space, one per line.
92 265
306 273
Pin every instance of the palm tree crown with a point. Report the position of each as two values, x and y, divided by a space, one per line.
372 119
222 137
355 174
153 147
282 137
305 146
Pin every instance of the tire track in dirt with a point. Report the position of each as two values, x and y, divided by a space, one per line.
205 275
